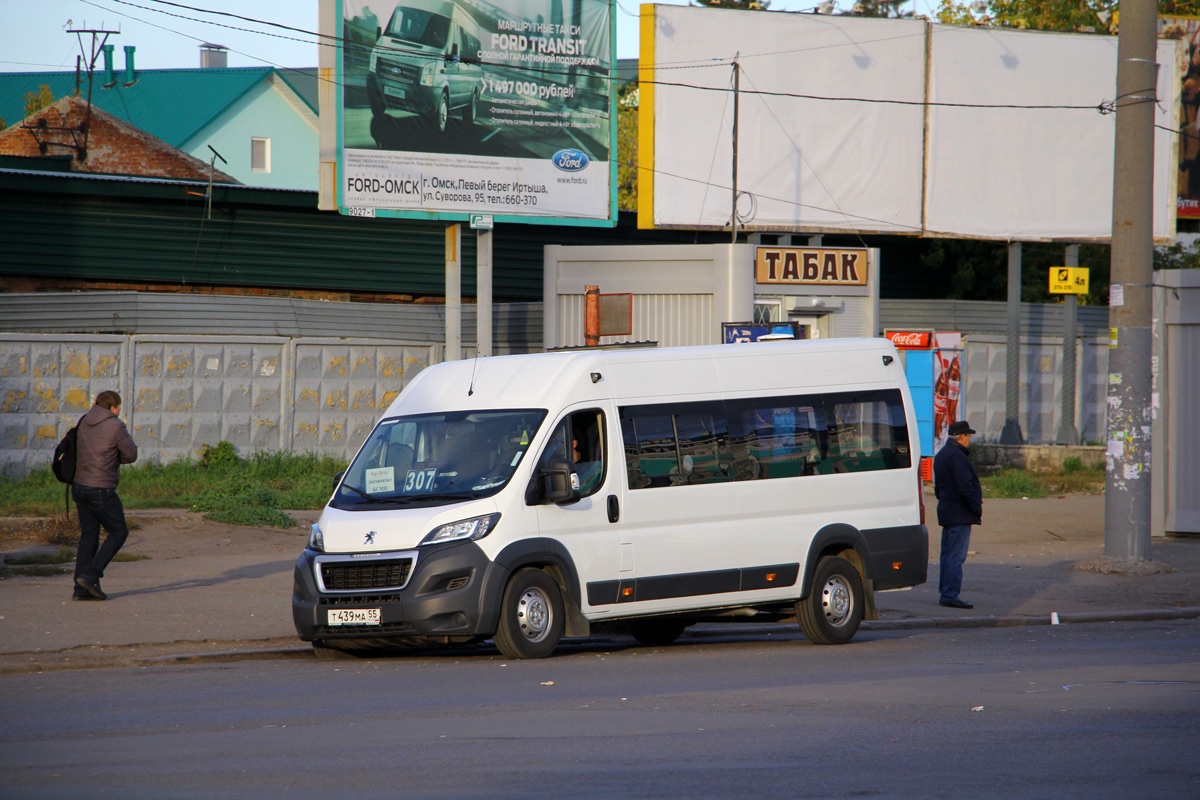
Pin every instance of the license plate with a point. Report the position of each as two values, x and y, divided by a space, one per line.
392 91
352 616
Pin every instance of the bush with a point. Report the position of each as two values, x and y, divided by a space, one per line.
1072 465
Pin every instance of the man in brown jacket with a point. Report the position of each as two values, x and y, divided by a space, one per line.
103 445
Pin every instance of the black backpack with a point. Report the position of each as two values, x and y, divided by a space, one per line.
63 465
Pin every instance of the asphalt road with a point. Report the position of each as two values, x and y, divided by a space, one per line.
1072 711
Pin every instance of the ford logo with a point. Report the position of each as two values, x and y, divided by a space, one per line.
570 160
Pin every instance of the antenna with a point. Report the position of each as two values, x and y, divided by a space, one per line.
212 162
474 364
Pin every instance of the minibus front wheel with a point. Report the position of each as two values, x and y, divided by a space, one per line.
531 615
834 607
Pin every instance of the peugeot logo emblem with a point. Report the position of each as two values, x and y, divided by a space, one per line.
370 538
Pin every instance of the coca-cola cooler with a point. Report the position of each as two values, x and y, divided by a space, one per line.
934 368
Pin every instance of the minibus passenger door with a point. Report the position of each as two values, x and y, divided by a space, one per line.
589 524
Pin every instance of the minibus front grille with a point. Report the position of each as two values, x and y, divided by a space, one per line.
405 73
348 575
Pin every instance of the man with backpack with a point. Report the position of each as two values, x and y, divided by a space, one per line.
102 445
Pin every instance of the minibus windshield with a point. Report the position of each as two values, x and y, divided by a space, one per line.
432 459
420 27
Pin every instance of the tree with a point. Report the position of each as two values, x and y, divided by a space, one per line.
36 101
745 5
888 9
627 147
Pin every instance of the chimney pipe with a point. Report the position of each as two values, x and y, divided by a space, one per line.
130 74
110 79
213 56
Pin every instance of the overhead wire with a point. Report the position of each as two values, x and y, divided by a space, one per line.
327 40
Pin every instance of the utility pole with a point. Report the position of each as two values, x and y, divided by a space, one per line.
733 220
99 39
1127 480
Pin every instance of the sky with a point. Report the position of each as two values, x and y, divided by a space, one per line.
35 38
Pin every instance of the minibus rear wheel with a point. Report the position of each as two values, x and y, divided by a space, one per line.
834 607
531 615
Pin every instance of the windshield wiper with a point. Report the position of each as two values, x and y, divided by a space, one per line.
452 495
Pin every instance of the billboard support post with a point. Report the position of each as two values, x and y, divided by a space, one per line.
483 292
1011 433
1066 428
453 293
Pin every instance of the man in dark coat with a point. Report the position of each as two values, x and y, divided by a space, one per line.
960 505
103 445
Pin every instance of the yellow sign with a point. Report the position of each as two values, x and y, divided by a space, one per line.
1068 280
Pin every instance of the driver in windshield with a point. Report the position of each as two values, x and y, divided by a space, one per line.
465 459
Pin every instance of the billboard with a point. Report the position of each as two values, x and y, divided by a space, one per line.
1187 72
852 124
448 108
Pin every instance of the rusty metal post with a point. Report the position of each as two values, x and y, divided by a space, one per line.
591 315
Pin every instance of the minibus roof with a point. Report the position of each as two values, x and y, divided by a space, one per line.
554 380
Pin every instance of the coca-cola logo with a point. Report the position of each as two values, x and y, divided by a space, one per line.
910 339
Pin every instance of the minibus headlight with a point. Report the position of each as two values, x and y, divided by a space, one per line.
427 73
474 528
316 539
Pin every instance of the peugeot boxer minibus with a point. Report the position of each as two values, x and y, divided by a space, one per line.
528 498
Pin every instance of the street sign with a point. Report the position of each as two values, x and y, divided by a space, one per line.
481 222
1068 280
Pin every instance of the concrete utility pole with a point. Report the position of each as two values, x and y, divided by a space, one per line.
1127 484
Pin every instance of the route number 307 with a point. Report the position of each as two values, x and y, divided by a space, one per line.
419 480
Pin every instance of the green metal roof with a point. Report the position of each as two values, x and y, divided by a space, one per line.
172 104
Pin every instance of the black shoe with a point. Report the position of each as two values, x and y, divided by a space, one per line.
955 603
92 587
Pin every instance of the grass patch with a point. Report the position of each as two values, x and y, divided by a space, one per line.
1075 477
223 485
34 571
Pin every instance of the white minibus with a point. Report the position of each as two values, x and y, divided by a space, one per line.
427 61
529 498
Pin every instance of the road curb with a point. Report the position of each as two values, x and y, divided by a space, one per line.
1140 615
710 631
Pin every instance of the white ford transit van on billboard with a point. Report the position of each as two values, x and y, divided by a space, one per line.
526 498
427 61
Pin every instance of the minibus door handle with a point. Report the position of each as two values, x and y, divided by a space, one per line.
614 508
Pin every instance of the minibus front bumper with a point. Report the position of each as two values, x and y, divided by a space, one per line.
438 591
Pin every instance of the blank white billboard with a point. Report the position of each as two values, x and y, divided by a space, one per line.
885 126
1034 173
816 164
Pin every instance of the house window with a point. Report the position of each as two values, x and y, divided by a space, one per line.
260 154
766 311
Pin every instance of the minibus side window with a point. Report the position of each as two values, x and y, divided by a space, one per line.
868 432
686 445
778 437
579 438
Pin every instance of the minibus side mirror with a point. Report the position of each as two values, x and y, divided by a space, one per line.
338 479
554 482
378 32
